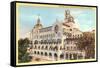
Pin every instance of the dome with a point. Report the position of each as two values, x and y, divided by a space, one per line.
38 24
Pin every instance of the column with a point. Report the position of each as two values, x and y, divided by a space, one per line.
64 56
72 56
68 56
53 57
77 56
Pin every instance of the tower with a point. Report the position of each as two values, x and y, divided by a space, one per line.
38 24
68 17
67 14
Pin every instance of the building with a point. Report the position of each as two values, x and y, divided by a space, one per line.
56 42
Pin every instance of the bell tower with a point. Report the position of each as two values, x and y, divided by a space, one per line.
68 17
67 14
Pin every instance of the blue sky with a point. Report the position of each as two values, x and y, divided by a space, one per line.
84 17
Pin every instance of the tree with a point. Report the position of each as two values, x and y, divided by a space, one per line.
23 56
87 43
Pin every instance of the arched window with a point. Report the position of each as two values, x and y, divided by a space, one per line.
62 56
35 47
50 48
66 56
38 47
45 41
70 56
41 41
34 52
60 47
38 52
59 41
56 48
45 53
42 47
35 42
50 54
46 47
74 56
41 53
55 55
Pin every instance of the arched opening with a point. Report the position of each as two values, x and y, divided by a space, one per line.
66 56
56 48
35 42
41 53
38 52
62 56
60 47
50 48
59 41
42 47
34 52
41 41
35 47
80 56
46 47
45 53
38 47
55 56
70 56
45 41
50 54
74 56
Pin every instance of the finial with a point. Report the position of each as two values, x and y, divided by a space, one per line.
56 20
38 15
38 20
67 12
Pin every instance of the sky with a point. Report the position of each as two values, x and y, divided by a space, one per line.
84 17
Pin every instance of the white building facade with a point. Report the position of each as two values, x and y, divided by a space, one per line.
56 42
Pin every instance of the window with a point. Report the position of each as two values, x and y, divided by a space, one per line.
78 36
38 47
70 29
73 36
67 48
34 52
35 42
